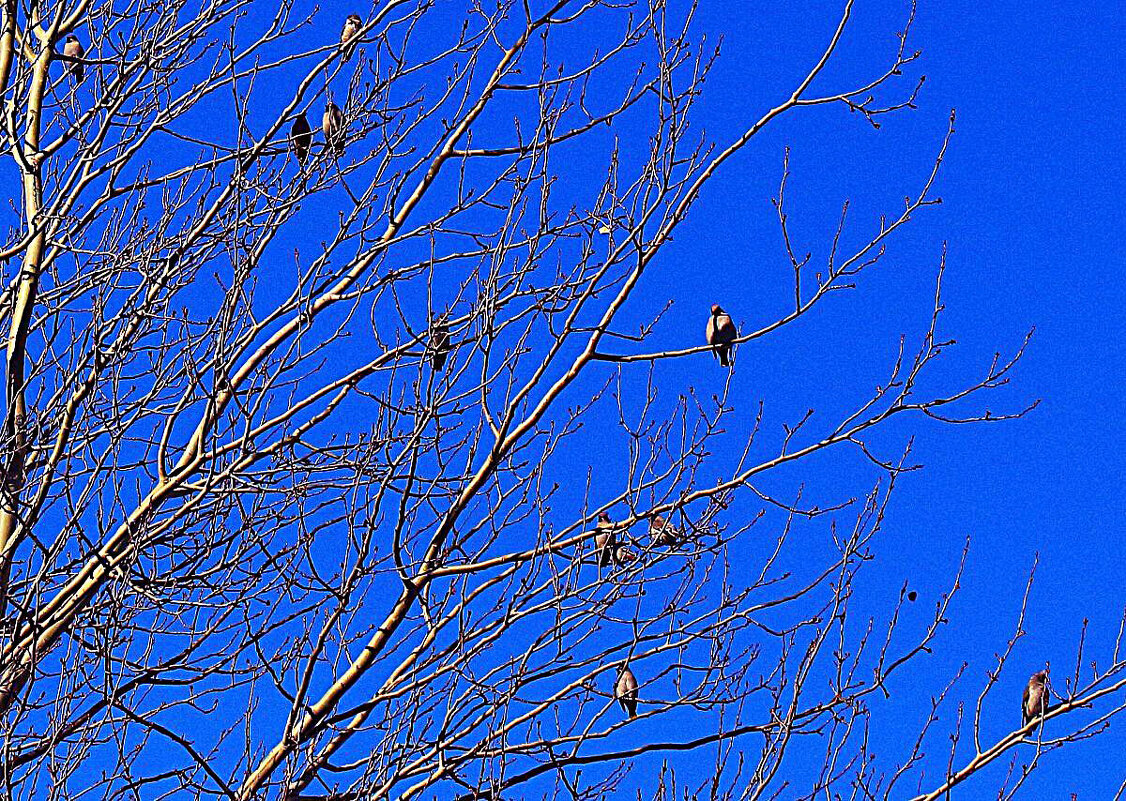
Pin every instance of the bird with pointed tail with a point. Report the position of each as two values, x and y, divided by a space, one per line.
625 691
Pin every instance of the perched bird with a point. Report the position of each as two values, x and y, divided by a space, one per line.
440 346
663 532
73 49
625 691
333 127
623 555
1036 697
721 333
605 540
352 27
301 137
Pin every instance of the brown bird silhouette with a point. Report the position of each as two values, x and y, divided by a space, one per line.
352 27
721 334
301 137
625 691
333 126
605 540
73 49
663 532
1036 697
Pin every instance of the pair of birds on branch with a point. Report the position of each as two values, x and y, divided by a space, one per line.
1033 705
332 124
332 121
610 552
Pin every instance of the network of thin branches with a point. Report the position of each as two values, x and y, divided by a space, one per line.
309 342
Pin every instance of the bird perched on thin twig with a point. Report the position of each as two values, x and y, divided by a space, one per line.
439 345
301 137
1036 697
73 49
625 691
663 532
352 27
721 334
605 540
333 126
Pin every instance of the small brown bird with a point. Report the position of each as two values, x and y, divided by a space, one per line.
301 137
721 334
352 27
605 540
73 49
623 556
663 532
440 346
1036 697
625 691
333 126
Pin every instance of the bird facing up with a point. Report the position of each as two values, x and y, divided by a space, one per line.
74 49
333 126
721 334
625 691
605 540
352 27
439 346
1036 697
301 138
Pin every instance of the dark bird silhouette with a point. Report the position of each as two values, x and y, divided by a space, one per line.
625 691
440 346
721 334
352 27
301 138
73 49
1036 697
333 126
605 540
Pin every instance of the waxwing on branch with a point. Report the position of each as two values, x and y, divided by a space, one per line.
1036 697
73 49
605 540
625 691
333 126
721 334
664 533
352 27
